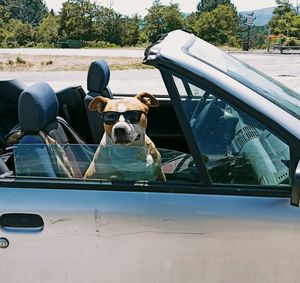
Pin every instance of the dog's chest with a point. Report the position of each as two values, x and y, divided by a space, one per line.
126 163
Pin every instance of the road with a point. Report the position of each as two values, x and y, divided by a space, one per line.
283 67
91 52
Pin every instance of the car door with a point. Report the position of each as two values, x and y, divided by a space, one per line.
223 215
91 235
73 230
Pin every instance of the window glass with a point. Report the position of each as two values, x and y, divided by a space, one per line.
109 163
239 149
279 94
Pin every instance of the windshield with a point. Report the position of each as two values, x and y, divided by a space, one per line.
245 74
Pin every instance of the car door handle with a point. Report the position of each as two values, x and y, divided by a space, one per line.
21 222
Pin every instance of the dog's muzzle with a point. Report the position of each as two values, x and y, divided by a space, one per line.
123 133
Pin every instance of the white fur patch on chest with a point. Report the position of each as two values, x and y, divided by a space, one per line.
122 107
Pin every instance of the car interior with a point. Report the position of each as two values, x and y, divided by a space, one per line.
37 115
58 132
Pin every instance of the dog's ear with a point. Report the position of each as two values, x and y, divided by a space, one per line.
98 103
147 99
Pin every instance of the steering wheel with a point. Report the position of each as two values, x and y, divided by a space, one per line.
199 107
199 117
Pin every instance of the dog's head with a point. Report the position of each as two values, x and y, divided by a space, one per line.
125 120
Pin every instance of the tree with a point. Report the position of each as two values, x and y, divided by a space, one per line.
210 5
161 19
47 31
131 31
19 34
110 25
285 21
27 11
218 27
281 19
258 36
77 20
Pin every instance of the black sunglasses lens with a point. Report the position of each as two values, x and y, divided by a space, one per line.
132 117
110 118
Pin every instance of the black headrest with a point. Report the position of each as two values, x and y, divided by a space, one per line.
38 106
98 76
10 91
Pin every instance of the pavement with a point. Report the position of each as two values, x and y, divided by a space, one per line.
282 67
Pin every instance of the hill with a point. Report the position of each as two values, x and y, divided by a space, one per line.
262 16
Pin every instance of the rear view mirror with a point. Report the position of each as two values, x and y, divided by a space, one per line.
296 187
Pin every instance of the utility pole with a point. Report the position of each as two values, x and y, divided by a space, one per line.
269 38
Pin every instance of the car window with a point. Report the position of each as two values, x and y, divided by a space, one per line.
238 148
271 89
114 163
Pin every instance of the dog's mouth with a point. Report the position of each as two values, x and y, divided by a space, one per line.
125 141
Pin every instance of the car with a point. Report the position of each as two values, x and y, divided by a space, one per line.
229 140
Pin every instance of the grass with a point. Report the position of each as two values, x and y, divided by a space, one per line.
41 63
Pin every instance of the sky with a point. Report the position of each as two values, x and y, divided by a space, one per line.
130 7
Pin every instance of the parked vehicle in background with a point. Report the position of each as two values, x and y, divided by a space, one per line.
70 43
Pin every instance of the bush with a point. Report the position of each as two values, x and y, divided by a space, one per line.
100 44
19 60
292 41
44 45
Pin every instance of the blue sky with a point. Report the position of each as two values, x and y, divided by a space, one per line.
131 7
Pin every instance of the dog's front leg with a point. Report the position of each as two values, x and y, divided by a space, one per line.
91 171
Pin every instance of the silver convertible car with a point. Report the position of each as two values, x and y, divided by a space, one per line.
228 211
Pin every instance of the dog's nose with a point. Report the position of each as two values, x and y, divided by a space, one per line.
120 131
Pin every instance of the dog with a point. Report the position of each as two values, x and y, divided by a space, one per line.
125 151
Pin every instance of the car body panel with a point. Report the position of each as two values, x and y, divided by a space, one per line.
115 236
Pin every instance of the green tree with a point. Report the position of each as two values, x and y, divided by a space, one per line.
161 19
282 17
219 27
27 11
47 31
210 5
19 34
131 31
285 20
77 20
110 25
2 33
258 37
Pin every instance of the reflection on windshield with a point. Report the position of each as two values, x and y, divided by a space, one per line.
269 88
114 163
123 163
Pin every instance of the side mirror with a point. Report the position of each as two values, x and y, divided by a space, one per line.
296 187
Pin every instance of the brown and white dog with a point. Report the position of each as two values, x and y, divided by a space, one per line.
125 122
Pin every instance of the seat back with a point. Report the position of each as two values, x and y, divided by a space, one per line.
38 109
72 109
97 85
10 91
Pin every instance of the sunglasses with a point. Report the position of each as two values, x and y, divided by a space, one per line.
132 116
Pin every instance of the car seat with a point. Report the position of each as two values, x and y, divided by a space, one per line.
10 91
47 137
97 81
72 109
